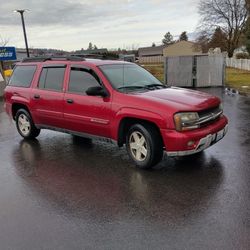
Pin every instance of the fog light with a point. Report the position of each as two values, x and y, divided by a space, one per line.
190 143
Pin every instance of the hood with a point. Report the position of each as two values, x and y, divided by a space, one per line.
185 99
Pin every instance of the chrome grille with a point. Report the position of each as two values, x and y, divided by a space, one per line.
209 115
205 117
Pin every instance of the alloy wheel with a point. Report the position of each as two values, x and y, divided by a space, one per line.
24 124
138 146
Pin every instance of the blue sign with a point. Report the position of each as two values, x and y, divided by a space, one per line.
7 53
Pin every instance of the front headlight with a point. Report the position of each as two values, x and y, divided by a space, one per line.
186 120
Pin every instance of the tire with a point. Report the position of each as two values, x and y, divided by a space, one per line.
25 125
144 145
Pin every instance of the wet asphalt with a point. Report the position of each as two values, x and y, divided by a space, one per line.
60 192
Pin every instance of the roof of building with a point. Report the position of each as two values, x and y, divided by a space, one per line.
91 51
151 51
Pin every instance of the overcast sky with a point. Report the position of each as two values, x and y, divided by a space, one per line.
72 24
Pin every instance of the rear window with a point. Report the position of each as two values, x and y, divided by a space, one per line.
22 76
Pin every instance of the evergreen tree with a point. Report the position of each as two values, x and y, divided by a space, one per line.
218 40
90 46
168 39
247 31
183 36
247 37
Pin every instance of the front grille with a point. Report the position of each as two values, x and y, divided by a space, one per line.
209 111
209 116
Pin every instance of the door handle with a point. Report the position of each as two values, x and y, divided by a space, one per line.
70 101
36 96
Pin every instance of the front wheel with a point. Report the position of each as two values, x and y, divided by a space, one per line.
144 145
25 125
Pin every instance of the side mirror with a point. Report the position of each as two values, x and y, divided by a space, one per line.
97 91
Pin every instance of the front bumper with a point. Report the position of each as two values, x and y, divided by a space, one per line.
193 141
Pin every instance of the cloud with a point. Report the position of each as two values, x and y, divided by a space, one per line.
72 24
62 12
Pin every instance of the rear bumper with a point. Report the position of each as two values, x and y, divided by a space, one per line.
191 142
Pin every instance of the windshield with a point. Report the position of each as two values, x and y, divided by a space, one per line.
130 77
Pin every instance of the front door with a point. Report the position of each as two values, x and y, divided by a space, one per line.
83 113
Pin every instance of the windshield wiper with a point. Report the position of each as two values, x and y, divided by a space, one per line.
147 87
132 87
155 85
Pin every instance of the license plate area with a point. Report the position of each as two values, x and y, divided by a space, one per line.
220 134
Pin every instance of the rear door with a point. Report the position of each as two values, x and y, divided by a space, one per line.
83 113
47 96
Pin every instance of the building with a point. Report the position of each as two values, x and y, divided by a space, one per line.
127 58
91 51
151 51
182 48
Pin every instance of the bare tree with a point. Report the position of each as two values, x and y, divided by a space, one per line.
229 15
4 41
202 42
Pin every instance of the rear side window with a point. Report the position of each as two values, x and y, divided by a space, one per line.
22 76
52 78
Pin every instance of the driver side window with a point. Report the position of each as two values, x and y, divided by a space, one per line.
81 79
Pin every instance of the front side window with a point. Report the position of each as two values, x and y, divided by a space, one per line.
22 76
52 78
81 79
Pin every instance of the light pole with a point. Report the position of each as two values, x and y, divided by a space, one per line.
24 31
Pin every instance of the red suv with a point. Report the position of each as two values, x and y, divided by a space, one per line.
114 100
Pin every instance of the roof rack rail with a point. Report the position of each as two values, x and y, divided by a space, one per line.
52 58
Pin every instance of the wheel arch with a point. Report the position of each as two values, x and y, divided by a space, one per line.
127 122
16 106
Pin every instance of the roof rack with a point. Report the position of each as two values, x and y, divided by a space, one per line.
53 58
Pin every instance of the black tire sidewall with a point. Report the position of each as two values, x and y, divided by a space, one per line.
145 164
33 130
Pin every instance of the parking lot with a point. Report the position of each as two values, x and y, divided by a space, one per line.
60 192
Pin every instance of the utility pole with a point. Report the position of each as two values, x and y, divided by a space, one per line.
24 30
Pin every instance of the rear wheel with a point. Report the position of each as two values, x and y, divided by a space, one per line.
25 125
144 145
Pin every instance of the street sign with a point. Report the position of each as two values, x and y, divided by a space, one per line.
7 53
